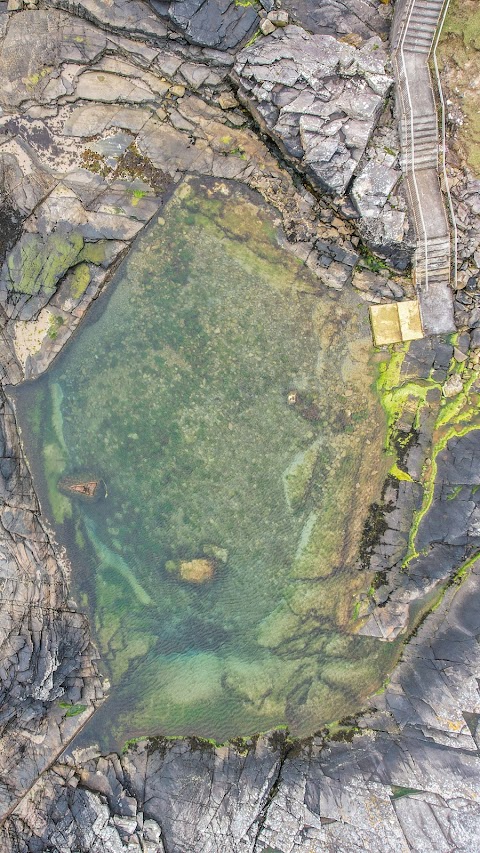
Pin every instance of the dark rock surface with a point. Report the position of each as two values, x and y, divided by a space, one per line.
222 24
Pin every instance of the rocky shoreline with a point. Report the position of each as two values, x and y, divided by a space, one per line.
105 110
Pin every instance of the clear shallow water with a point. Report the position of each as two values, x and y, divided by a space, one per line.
226 402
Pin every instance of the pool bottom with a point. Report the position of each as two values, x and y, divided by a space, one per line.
227 403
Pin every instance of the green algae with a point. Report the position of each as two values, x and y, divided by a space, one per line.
79 280
456 417
94 253
37 263
397 472
176 394
72 710
56 323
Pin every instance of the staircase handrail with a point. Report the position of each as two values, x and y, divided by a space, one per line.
444 142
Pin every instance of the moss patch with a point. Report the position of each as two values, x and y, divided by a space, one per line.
79 280
37 263
459 54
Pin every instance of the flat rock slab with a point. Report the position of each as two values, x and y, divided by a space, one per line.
363 18
222 24
317 97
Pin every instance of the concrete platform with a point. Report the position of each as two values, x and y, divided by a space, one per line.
394 322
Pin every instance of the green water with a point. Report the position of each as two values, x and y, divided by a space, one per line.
225 400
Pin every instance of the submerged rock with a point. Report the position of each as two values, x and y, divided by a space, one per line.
197 571
193 571
86 489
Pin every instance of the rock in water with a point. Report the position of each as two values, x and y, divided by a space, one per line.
86 488
197 571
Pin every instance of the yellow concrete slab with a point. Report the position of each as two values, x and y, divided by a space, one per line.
385 324
410 322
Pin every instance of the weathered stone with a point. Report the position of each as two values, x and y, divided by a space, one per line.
339 17
267 27
372 187
212 23
453 385
278 17
318 98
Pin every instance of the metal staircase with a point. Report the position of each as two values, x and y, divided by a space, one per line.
415 38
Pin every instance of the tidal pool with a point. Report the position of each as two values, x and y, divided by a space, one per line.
226 402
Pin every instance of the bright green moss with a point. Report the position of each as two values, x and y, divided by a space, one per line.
397 472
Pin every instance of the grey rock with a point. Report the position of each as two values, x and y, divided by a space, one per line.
221 24
278 17
267 27
48 38
372 187
365 18
132 17
318 98
452 386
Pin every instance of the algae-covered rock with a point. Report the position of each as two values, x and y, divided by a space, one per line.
262 683
192 571
217 553
317 546
79 280
38 263
277 627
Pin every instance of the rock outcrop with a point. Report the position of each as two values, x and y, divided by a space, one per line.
49 684
317 97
